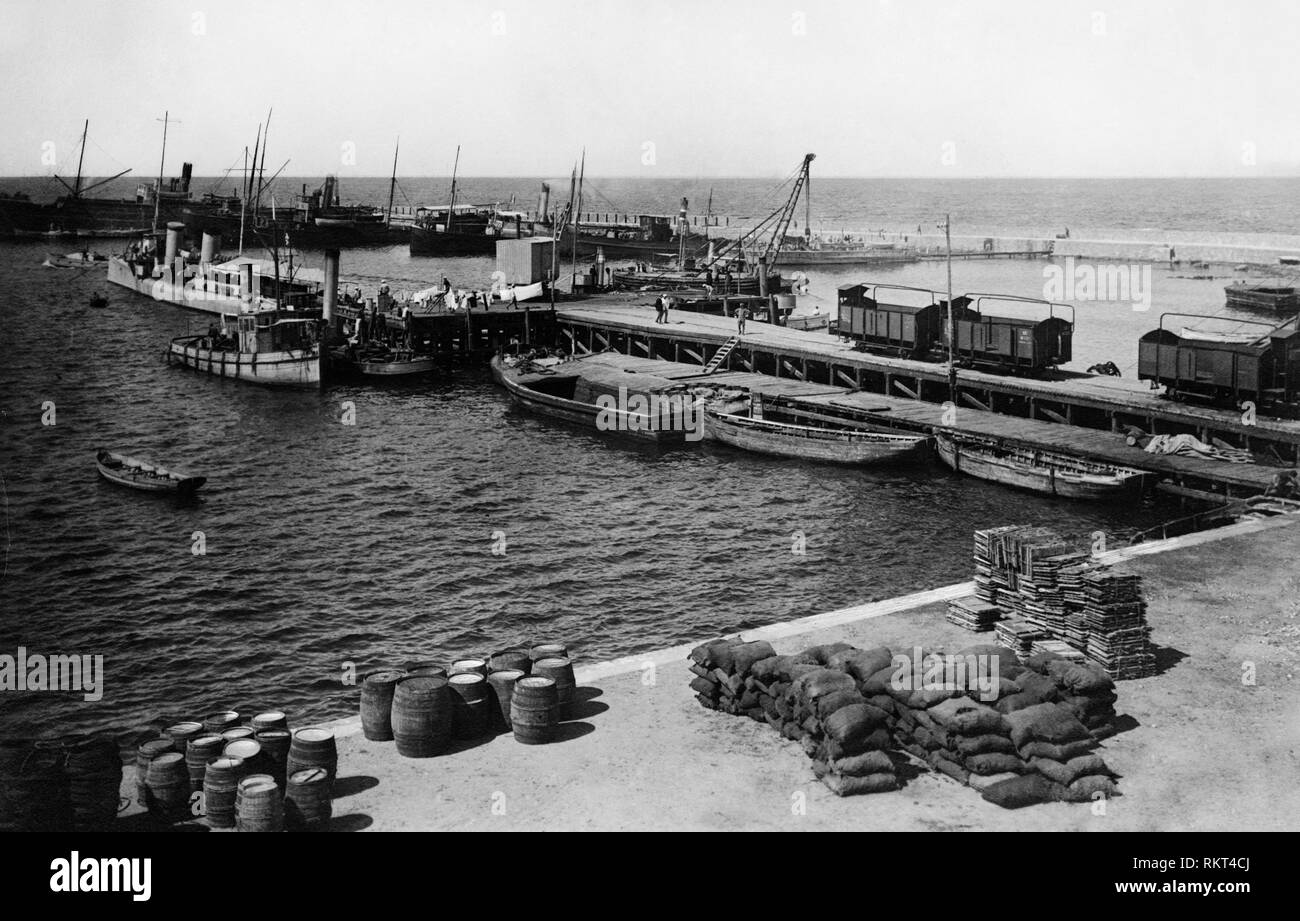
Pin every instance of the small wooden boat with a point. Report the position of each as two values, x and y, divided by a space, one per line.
1038 471
138 474
596 396
1262 297
383 363
276 348
842 445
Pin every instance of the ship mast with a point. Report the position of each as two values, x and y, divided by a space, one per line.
157 193
577 219
451 208
76 188
392 185
243 199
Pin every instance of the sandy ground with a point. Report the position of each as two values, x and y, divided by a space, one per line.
1203 750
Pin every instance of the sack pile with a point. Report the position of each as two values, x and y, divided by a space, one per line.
722 676
1055 745
1031 742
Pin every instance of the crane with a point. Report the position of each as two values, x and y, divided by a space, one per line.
779 221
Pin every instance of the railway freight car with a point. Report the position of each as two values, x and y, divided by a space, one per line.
1260 366
874 317
1013 344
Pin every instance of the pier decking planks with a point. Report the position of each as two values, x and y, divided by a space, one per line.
918 415
1112 395
1092 444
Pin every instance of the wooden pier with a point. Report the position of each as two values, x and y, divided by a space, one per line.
817 375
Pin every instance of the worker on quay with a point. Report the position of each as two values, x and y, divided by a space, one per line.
1283 485
741 315
659 309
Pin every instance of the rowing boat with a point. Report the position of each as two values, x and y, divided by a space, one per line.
138 474
841 445
1038 471
595 396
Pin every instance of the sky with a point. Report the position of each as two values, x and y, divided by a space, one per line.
672 88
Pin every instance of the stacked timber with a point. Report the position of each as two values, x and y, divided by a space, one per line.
972 613
1114 612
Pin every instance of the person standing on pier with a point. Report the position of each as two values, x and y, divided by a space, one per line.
741 314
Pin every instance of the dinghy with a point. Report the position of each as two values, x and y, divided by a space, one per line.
138 474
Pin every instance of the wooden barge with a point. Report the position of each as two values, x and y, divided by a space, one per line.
1078 415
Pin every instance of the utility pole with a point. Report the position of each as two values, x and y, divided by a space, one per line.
952 316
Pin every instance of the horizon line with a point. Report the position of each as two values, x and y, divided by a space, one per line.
678 176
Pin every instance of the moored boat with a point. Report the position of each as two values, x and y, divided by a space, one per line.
383 363
1262 297
1038 471
141 475
596 396
276 348
839 445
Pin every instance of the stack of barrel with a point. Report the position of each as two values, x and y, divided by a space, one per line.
424 706
256 777
68 784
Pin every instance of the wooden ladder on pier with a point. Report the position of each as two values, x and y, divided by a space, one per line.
721 355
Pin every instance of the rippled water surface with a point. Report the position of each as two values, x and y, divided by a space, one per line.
328 543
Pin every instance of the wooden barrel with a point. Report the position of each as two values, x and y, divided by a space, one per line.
181 733
422 716
33 788
167 787
220 782
271 719
561 672
259 804
201 752
145 752
534 710
428 671
275 746
250 752
377 704
220 721
470 705
469 666
94 771
510 660
313 747
235 733
549 651
503 688
307 801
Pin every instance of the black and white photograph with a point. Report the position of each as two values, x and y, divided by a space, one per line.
649 416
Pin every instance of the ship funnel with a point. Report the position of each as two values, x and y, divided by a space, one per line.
331 293
174 230
208 252
246 286
187 170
